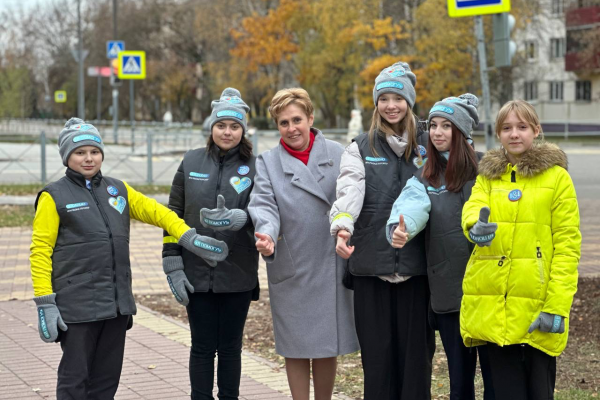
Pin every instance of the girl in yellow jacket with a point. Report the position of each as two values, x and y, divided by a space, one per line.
80 263
521 278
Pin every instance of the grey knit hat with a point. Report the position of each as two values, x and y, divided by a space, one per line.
461 111
398 79
78 133
229 106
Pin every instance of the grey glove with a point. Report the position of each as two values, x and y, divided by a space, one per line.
221 218
210 249
483 232
550 323
178 282
49 319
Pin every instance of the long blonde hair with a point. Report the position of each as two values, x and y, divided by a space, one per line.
408 124
524 111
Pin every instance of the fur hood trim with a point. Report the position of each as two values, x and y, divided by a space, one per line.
542 156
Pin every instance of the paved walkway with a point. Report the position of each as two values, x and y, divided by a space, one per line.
157 349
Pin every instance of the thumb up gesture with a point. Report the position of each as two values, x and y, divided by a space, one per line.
399 237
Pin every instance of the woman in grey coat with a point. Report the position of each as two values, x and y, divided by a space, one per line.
293 191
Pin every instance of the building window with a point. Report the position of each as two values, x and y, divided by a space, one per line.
530 50
556 91
531 92
557 48
583 90
558 7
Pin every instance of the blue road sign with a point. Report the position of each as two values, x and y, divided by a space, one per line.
465 8
113 47
132 65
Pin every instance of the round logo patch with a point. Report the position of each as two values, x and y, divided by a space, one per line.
419 163
243 170
113 191
515 195
422 151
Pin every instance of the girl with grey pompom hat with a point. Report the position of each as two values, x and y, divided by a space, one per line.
391 292
214 183
432 200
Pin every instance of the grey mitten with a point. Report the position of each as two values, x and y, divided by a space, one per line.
549 323
221 218
483 232
49 319
178 282
210 249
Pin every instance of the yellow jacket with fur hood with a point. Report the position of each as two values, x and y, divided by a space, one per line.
531 265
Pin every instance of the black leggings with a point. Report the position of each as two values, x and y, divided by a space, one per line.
217 325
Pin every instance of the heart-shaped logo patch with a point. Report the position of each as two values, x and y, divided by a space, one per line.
240 184
118 203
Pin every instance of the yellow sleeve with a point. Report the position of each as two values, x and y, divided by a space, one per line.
566 238
43 240
151 212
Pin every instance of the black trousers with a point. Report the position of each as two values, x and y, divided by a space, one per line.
217 325
521 372
462 360
90 367
397 343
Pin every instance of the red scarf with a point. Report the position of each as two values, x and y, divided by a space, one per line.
300 155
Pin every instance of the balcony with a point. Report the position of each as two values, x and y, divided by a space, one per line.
583 39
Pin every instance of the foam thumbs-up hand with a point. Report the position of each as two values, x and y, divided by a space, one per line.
222 218
483 232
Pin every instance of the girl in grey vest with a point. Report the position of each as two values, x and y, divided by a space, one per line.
433 200
211 191
391 292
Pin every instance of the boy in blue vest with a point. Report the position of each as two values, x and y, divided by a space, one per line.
80 263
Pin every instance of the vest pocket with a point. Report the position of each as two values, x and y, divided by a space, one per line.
282 267
75 297
71 281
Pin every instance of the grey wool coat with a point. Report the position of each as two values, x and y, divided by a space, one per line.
312 311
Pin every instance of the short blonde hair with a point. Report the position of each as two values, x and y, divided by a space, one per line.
524 111
286 97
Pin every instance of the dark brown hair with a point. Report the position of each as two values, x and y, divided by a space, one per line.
461 167
245 147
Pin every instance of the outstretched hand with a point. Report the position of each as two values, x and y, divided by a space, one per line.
264 244
400 237
341 248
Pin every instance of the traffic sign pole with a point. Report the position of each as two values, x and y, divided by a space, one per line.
485 84
132 114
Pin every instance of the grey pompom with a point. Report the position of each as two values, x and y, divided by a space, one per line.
470 98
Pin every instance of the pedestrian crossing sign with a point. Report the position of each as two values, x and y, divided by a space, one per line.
113 48
132 65
467 8
60 96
